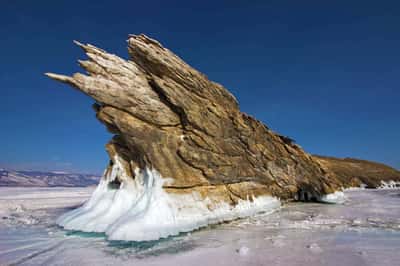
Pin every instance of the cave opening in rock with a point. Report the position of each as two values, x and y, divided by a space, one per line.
306 196
115 184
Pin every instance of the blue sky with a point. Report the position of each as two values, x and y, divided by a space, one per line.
324 73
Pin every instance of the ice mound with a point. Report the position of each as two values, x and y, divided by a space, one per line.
337 197
389 185
140 210
361 187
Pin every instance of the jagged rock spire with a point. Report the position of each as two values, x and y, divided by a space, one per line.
170 117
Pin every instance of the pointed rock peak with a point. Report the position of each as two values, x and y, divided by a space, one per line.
144 39
59 77
88 48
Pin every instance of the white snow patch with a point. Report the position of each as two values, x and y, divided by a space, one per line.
337 197
278 243
243 251
140 210
361 187
315 248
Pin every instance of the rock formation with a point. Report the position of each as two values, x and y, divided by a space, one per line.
354 172
183 136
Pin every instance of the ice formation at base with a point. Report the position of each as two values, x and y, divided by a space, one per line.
361 187
140 210
389 185
337 197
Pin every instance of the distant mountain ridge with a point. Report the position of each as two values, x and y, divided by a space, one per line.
10 178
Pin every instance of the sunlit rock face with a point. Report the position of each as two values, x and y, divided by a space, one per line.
180 138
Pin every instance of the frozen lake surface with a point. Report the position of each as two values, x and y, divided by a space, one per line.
363 231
